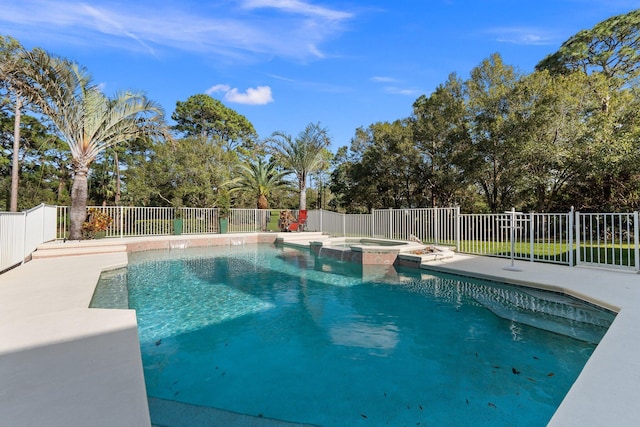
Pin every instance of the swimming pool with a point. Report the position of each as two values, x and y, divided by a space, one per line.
278 333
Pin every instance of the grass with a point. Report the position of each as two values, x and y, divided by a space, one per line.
554 252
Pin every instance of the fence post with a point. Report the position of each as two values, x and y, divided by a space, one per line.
570 235
457 230
373 227
344 225
44 220
24 237
532 224
435 214
577 221
121 213
390 234
636 238
512 235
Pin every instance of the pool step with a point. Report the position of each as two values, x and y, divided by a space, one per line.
548 311
302 240
72 249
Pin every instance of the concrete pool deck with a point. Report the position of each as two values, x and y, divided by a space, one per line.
63 364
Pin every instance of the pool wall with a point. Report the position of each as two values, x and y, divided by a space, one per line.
363 251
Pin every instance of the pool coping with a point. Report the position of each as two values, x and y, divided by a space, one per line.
40 292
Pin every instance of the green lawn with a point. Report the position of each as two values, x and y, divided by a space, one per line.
554 252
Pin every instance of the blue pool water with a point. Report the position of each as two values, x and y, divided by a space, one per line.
278 333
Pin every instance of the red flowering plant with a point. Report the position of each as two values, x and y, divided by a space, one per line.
97 222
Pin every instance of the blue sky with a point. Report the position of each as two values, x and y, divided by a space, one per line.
286 63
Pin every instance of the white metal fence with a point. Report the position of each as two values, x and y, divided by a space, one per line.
433 225
573 238
337 224
608 239
154 221
534 236
22 232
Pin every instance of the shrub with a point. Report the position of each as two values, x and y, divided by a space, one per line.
97 222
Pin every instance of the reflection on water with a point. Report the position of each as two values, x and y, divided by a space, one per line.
277 332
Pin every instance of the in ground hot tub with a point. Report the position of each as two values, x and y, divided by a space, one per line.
366 251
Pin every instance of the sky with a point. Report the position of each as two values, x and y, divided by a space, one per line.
286 63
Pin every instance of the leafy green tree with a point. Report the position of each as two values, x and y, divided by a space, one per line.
549 115
302 155
612 149
346 185
383 168
108 180
495 164
205 117
12 83
609 54
260 180
441 131
174 174
44 173
611 47
85 119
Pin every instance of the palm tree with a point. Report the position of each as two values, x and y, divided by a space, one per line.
302 156
86 119
261 179
11 69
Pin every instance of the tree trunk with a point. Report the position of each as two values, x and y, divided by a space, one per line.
118 186
79 194
303 193
15 164
263 203
60 190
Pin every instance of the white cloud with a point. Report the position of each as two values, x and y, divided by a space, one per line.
401 91
217 88
293 29
394 89
110 25
522 36
298 7
260 95
383 79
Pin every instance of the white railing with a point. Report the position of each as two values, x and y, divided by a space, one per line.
533 236
153 221
609 239
22 232
337 224
250 220
606 240
430 225
598 239
126 221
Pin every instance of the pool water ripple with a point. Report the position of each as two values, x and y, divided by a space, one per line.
277 333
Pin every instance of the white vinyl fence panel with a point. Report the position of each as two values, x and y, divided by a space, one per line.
22 232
